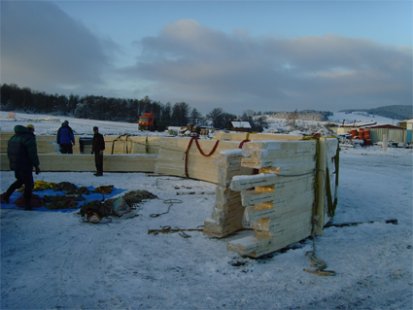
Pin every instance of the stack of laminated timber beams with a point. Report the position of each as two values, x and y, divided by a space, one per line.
183 158
280 201
228 212
277 203
176 159
127 144
45 144
241 136
86 162
114 144
130 154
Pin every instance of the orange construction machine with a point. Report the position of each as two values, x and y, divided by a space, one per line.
146 121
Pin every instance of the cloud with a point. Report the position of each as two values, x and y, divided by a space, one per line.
208 68
43 48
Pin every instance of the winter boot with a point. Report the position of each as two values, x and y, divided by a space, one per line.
4 198
28 203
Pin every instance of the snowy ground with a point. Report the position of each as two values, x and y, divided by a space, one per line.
361 118
55 261
49 124
277 125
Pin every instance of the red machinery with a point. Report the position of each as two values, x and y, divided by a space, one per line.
146 121
361 134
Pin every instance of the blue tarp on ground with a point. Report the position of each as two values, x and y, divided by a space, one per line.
91 196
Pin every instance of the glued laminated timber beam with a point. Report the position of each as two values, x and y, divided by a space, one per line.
86 162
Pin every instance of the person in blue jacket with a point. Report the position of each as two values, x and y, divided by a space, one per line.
65 138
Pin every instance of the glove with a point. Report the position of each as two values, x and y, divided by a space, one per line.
37 169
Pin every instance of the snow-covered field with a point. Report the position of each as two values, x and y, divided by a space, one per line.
310 126
55 261
49 124
361 117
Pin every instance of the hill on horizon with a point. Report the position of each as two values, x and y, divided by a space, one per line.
399 112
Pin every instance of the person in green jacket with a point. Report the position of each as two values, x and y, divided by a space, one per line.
22 154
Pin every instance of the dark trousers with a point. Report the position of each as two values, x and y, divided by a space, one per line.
23 177
66 148
99 162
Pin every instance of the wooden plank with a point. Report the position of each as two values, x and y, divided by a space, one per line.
253 247
181 145
285 187
240 136
85 162
291 156
220 230
126 144
242 182
228 165
251 197
281 222
129 163
286 166
119 144
227 214
226 198
6 135
287 237
218 168
43 146
290 186
293 206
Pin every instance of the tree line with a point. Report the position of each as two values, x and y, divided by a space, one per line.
14 98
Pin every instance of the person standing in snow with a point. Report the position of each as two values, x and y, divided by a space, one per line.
22 154
65 138
98 146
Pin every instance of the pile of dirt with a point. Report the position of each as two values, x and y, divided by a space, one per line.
95 211
136 197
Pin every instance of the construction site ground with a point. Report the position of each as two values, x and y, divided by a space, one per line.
55 260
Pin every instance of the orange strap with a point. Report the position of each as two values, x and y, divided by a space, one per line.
242 143
199 149
247 139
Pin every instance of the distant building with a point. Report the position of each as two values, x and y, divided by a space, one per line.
241 126
408 126
391 133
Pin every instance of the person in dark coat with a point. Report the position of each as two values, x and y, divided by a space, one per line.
98 146
65 138
22 154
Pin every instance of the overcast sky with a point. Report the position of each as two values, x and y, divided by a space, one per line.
237 55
